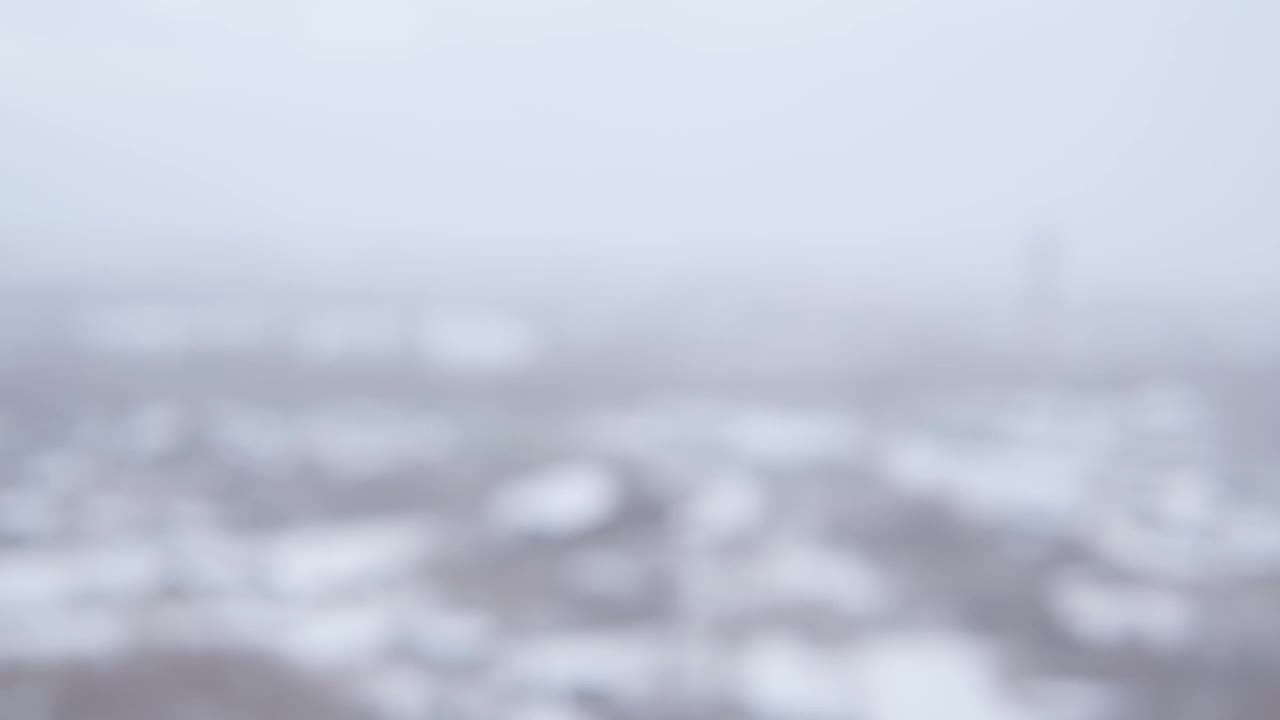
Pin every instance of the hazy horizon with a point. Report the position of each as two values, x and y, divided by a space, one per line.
915 144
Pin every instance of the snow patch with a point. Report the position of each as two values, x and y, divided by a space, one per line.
728 508
315 562
559 503
806 574
924 675
782 677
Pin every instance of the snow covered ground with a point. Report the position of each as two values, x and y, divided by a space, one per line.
429 512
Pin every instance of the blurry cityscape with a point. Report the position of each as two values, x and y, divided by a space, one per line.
402 505
649 360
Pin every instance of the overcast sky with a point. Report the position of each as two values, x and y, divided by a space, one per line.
872 131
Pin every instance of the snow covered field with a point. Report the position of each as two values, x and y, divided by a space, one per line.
467 514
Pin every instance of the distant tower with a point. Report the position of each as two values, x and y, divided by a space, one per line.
1043 305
